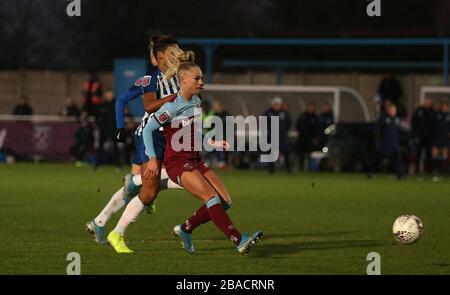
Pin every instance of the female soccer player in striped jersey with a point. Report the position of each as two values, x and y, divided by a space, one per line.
155 90
185 166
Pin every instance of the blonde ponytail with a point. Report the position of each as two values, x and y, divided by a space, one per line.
177 59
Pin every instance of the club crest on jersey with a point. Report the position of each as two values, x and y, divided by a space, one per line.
138 82
146 81
187 166
162 118
143 81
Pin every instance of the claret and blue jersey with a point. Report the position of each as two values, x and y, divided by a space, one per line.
175 115
152 82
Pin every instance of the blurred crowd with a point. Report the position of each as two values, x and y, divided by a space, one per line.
95 141
424 148
418 145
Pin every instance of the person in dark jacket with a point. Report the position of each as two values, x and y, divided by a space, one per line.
422 129
92 90
106 124
390 88
84 139
308 128
70 109
441 139
387 132
23 108
277 110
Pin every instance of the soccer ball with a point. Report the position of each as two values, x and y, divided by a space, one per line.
407 229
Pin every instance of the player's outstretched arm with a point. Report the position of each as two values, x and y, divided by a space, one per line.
152 167
160 118
151 104
151 126
121 101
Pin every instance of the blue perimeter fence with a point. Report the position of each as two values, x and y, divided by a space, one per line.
209 46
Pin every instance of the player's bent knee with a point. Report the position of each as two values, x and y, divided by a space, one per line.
146 201
215 200
147 196
205 197
207 194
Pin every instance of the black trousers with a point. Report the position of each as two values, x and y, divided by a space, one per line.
79 150
304 148
284 150
424 145
395 160
100 155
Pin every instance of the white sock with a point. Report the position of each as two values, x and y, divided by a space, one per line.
137 180
164 174
112 207
171 184
132 211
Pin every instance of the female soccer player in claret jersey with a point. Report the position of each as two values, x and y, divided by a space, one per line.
156 91
185 166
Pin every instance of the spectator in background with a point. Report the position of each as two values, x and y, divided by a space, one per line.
70 109
308 129
23 108
440 141
385 105
220 112
84 139
422 129
92 91
130 127
326 118
387 133
390 89
277 110
106 123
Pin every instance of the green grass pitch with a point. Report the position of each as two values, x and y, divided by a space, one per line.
313 224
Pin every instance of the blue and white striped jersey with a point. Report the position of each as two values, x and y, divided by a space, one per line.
153 81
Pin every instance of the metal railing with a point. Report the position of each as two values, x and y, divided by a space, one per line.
335 90
210 44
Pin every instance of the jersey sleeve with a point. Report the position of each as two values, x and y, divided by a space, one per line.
165 113
121 101
149 81
142 85
160 118
147 134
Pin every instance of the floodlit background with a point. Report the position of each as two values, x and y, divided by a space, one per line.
346 170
